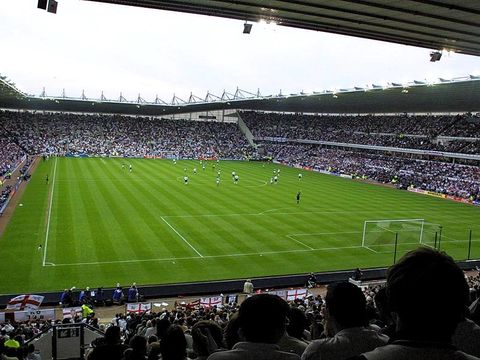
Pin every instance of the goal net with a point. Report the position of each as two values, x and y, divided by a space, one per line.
380 235
168 154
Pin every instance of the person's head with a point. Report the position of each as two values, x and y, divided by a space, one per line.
138 344
428 294
174 345
201 331
345 306
262 318
112 335
297 322
162 327
231 334
381 304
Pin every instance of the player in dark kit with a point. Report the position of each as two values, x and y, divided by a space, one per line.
298 197
46 179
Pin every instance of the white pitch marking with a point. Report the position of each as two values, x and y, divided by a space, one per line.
284 213
49 214
181 236
299 242
211 256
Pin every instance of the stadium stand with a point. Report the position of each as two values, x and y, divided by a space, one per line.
102 135
97 135
440 133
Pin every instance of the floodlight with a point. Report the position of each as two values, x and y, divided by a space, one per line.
42 4
435 56
247 28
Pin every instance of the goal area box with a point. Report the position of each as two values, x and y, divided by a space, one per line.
380 235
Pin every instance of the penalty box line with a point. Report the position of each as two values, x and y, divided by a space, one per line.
205 256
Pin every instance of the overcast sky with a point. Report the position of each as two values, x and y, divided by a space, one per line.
95 47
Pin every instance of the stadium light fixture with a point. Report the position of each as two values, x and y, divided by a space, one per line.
435 56
247 28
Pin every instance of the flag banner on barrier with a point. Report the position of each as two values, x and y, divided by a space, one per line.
27 315
211 301
44 314
21 302
280 293
138 308
232 298
71 312
296 294
193 304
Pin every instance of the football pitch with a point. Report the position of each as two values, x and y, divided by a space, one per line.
99 224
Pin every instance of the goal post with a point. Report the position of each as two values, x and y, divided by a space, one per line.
380 235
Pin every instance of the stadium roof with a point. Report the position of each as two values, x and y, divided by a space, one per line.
435 24
457 95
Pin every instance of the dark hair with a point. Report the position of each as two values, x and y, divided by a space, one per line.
230 333
429 293
138 344
262 318
297 322
162 327
346 304
174 345
112 335
198 333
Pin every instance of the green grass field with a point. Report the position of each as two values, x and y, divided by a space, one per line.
99 224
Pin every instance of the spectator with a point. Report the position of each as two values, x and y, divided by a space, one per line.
174 346
248 287
417 296
117 296
262 321
346 317
132 293
467 337
32 354
137 349
111 348
311 281
207 338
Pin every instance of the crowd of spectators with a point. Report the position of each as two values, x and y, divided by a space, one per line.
446 178
10 155
13 337
105 135
405 131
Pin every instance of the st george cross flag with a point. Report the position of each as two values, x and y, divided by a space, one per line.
139 307
193 304
296 294
211 301
21 302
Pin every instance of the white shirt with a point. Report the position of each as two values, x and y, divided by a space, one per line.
253 351
346 343
405 352
467 337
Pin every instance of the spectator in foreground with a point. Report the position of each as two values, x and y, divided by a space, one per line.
248 287
137 349
346 318
111 348
207 338
427 294
174 345
262 320
293 340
